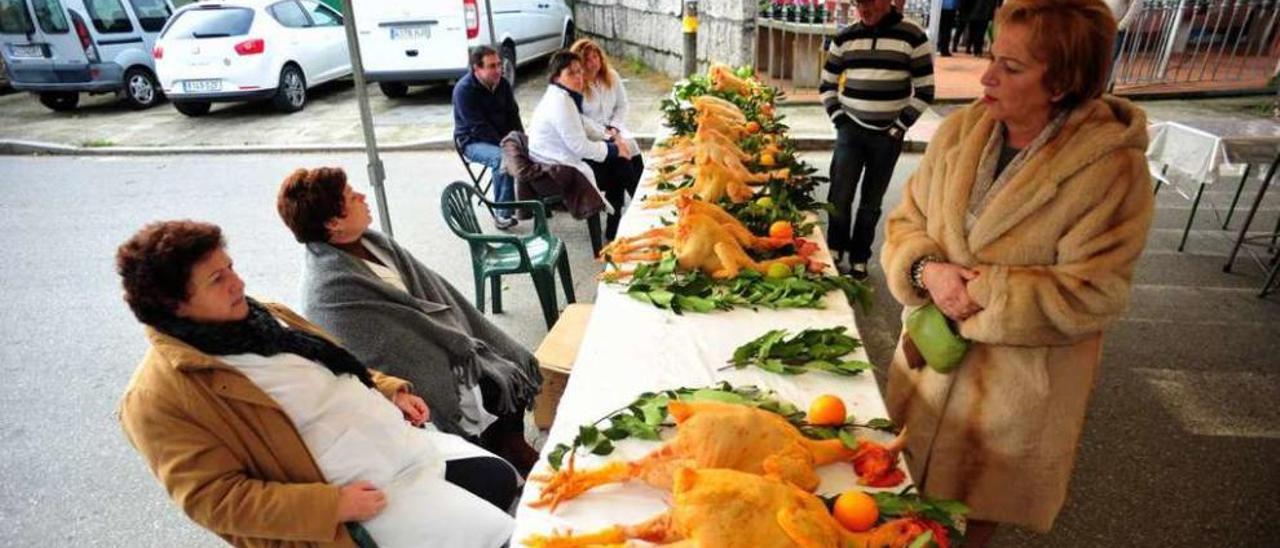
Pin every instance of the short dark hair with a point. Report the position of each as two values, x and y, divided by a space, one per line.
155 265
561 60
477 54
308 199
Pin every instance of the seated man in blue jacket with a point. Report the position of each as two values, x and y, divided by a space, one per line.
484 111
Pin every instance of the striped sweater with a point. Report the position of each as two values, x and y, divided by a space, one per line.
888 71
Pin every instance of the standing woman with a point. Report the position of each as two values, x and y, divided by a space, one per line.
1023 225
605 105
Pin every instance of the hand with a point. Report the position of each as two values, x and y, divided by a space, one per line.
359 501
623 150
612 132
415 410
897 133
947 285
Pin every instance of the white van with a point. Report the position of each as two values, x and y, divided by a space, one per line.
57 49
404 43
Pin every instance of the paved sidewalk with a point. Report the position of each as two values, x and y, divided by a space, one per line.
421 121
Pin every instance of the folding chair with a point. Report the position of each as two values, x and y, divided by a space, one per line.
478 180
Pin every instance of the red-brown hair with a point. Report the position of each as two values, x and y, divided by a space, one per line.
1074 38
155 265
308 199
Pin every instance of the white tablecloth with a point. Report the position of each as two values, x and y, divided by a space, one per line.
631 347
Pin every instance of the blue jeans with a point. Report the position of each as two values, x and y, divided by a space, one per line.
504 188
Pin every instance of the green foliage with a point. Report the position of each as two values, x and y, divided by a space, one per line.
661 285
809 350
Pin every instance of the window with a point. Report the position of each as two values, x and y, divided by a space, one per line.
151 14
322 15
108 16
52 18
14 18
217 22
290 14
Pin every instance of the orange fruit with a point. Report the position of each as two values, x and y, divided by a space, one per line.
767 160
781 229
753 127
856 511
826 410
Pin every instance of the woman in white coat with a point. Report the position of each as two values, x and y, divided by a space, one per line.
605 107
559 133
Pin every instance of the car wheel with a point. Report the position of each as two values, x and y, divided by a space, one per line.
508 55
141 90
193 108
394 90
60 101
291 94
568 35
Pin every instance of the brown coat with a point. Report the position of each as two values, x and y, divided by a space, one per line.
1055 250
226 452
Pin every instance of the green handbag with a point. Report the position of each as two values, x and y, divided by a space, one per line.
938 343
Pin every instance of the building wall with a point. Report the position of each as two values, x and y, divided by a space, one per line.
650 30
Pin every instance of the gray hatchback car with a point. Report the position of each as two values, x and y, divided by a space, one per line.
58 49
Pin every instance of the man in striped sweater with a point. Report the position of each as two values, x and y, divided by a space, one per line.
887 65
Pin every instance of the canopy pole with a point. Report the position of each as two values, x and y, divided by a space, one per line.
376 172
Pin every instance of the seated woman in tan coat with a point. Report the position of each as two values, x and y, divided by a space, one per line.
1022 225
268 433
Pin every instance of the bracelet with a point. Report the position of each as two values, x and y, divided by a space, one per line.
917 270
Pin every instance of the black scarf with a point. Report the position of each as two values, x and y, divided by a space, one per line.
577 97
260 333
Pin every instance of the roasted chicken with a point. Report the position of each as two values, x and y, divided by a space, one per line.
700 242
720 508
712 435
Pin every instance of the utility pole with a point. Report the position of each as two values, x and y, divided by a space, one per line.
690 24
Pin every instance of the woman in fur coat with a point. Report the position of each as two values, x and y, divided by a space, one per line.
1022 225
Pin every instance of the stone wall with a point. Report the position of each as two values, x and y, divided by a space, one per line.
650 30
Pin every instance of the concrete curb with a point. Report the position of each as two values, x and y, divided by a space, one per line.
12 147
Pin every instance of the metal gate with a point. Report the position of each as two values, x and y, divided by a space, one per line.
1172 41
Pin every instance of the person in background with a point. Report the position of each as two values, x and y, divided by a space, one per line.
267 432
1022 225
887 65
559 133
403 319
979 18
946 22
605 106
485 111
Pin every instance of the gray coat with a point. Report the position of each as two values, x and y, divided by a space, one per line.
431 336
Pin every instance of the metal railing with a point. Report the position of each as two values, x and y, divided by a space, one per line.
1193 41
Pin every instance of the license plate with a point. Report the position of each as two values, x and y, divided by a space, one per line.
420 32
27 50
196 86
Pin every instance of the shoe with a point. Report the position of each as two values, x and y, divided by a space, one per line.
505 223
858 271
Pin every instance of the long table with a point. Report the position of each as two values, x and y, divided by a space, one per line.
630 347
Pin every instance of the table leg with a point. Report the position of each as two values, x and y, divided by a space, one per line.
1271 278
1253 210
1191 219
1236 199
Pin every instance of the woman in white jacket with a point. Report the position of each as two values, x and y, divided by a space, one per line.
604 108
559 133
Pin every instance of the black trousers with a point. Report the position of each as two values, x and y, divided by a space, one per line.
977 35
505 437
863 159
486 477
618 178
946 22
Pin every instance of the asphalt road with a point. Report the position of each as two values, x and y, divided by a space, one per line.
1181 445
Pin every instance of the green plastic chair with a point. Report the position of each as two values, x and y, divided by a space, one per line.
540 254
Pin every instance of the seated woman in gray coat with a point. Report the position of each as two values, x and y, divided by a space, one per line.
401 318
